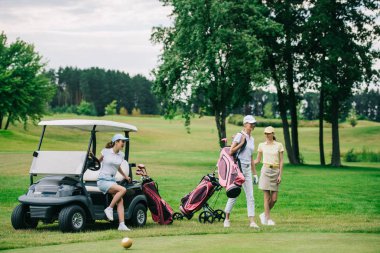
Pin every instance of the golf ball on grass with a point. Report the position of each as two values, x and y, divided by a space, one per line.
126 242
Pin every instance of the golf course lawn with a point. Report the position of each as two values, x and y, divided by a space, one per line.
320 208
220 243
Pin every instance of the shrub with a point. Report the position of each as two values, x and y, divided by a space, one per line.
123 111
86 108
110 109
136 112
64 109
350 156
365 155
352 118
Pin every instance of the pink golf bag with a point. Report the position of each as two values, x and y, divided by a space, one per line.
230 174
198 198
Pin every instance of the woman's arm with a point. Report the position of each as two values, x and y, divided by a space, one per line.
123 174
101 158
236 146
258 158
281 154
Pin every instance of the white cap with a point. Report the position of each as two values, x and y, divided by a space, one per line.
249 119
117 137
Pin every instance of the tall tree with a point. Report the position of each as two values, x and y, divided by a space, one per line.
24 89
283 58
212 51
340 39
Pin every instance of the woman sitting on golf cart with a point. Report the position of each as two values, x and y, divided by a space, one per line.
111 159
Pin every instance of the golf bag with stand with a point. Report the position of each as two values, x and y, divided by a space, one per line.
161 211
229 171
198 198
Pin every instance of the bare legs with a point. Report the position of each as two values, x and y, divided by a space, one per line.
270 199
118 192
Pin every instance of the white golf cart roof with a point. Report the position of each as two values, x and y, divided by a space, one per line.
87 125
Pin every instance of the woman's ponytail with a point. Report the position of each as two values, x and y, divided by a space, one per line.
110 144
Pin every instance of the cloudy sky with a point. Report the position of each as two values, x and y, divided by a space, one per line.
111 34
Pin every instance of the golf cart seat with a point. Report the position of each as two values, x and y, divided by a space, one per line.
90 177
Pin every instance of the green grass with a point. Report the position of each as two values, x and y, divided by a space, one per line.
316 203
220 243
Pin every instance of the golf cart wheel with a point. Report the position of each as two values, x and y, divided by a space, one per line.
206 217
220 215
177 216
138 216
72 219
21 218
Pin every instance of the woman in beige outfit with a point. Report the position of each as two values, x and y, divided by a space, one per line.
272 153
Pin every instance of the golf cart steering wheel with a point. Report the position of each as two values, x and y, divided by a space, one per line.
92 162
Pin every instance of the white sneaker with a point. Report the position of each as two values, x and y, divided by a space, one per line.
123 227
227 223
254 225
109 213
263 219
271 223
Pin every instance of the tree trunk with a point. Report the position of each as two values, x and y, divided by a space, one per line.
292 97
220 120
1 120
321 113
285 127
8 121
335 159
282 108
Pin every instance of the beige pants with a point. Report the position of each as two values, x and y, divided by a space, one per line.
268 179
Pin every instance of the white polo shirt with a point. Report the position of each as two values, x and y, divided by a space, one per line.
111 162
246 155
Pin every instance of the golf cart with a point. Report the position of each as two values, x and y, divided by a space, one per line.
67 191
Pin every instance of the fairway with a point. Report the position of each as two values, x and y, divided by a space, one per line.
320 209
225 243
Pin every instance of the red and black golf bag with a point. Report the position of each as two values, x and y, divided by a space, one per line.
161 211
230 174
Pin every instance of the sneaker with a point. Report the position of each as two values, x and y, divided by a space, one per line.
263 219
123 227
254 225
109 213
227 223
271 223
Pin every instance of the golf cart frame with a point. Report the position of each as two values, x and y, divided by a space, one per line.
70 194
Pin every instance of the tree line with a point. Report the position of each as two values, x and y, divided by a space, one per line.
217 52
364 104
99 88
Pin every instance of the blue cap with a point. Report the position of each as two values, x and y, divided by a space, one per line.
117 137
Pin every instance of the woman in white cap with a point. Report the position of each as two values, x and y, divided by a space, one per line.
272 153
111 159
248 167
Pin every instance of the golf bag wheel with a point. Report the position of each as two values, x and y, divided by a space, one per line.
206 217
219 215
72 219
177 216
21 218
